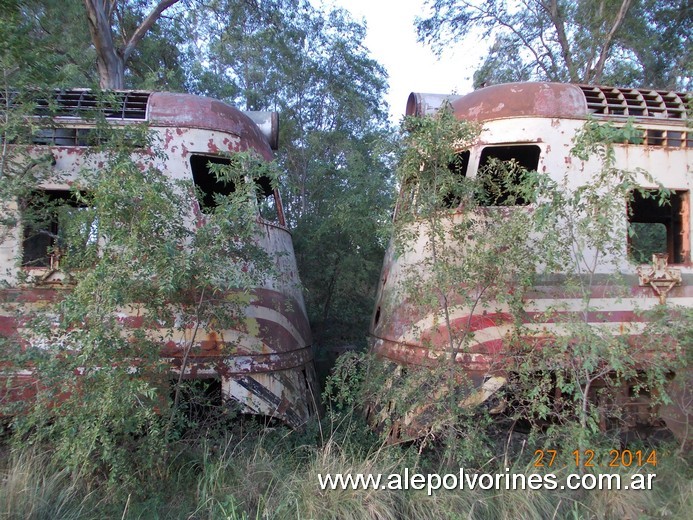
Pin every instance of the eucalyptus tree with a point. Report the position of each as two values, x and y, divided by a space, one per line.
127 46
625 42
108 22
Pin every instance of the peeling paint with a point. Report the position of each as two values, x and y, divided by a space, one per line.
211 147
265 362
409 334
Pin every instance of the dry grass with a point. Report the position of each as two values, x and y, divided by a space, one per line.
271 476
31 489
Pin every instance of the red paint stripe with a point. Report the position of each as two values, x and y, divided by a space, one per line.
395 319
438 335
285 305
273 338
8 326
496 356
549 292
590 317
32 295
270 299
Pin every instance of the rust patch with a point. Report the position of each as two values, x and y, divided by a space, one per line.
211 147
168 137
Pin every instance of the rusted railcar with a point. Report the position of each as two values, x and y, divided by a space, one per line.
269 372
534 124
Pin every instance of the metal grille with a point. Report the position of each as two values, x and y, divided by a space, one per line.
633 102
68 137
675 138
82 103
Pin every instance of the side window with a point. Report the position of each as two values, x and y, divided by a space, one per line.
54 220
655 228
500 173
459 169
268 201
208 186
206 182
449 196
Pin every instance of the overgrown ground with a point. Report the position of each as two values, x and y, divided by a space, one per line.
270 472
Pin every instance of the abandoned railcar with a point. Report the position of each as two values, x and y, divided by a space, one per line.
268 372
534 124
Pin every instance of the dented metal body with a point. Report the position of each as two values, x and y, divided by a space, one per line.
543 118
267 368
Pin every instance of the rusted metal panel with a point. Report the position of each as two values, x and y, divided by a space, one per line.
188 111
267 368
420 104
553 100
545 115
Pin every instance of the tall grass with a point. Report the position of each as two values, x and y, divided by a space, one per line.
273 474
32 489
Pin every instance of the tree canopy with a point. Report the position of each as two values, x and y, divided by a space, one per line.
622 42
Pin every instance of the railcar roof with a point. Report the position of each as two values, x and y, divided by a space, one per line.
557 100
158 109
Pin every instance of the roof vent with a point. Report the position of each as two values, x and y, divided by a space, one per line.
631 102
83 103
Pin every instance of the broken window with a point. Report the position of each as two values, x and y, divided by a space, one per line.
56 223
133 136
208 186
448 192
659 226
64 137
500 173
267 200
452 197
207 183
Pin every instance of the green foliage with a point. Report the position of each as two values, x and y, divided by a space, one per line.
24 61
42 51
620 42
476 246
312 67
59 57
338 242
102 394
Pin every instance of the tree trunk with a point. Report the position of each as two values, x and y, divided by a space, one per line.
110 60
109 63
554 12
595 75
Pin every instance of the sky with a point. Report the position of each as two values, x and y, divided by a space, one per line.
411 66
